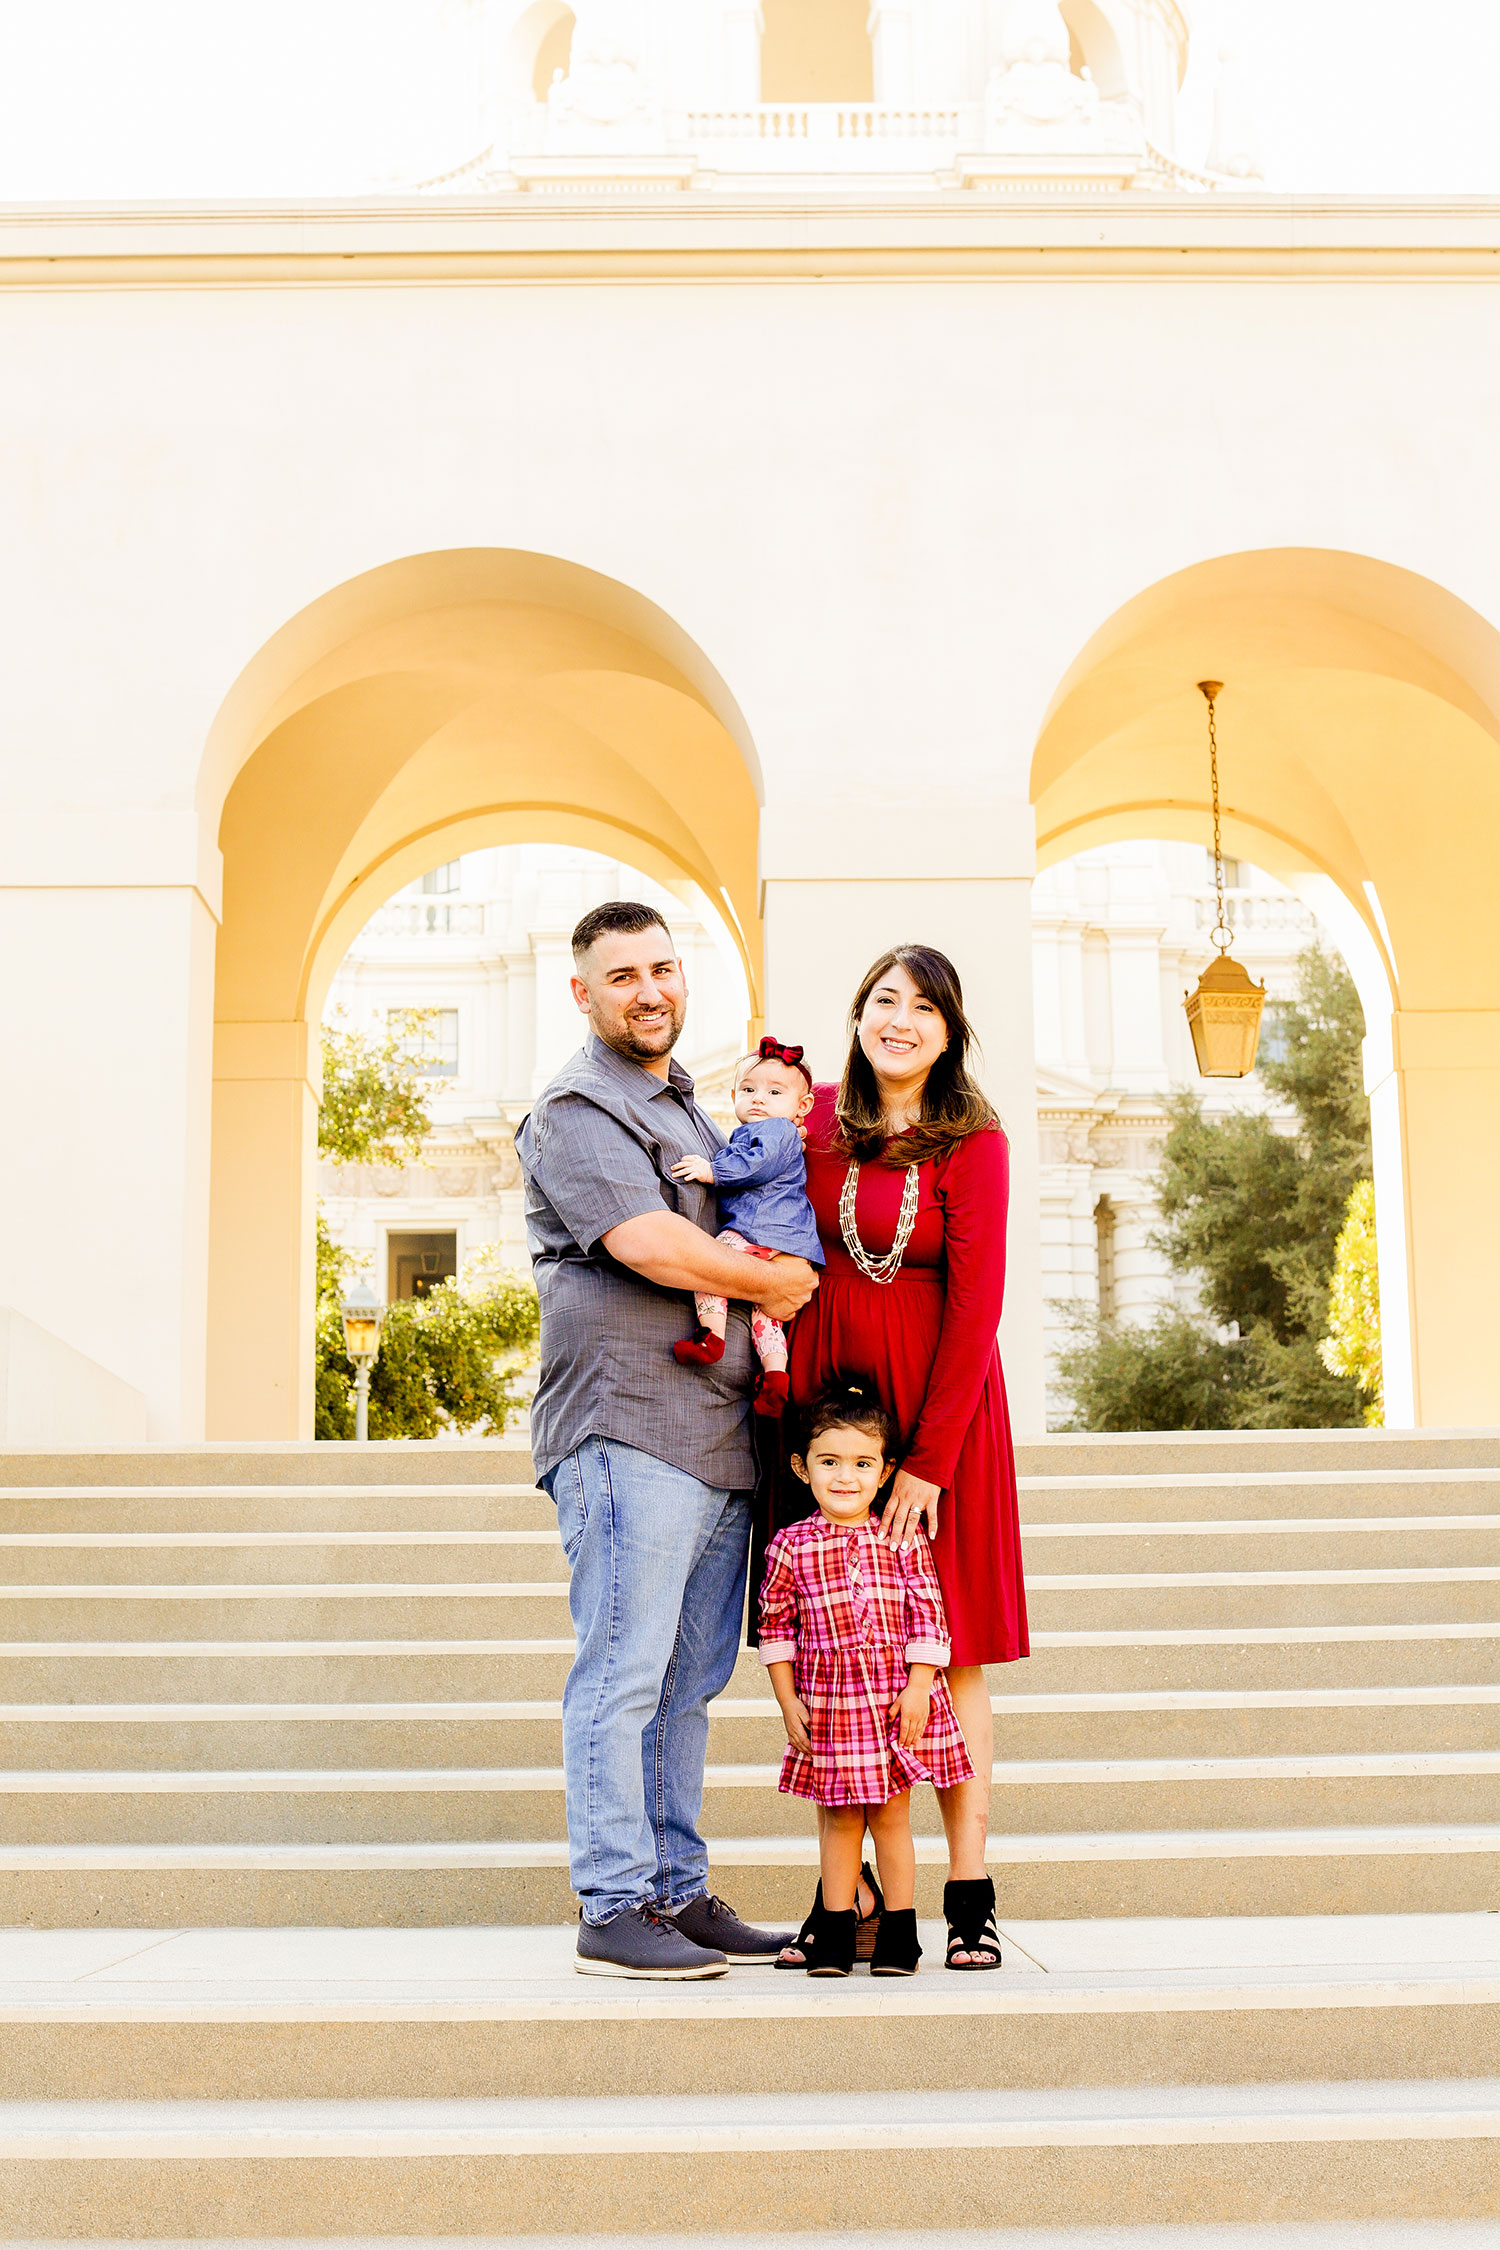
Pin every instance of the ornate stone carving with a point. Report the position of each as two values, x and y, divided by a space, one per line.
604 102
1036 104
1035 83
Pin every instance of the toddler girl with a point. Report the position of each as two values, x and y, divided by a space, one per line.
762 1181
854 1636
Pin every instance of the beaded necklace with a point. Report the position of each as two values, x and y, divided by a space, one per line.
878 1269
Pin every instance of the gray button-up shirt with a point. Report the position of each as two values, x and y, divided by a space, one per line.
596 1150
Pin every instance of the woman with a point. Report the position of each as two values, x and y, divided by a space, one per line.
908 1174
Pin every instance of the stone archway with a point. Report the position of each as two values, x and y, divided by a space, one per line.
1360 763
431 706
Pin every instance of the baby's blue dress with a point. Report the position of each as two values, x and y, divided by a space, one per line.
761 1177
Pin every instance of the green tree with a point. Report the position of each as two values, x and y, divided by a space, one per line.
374 1106
447 1361
1253 1214
1352 1345
450 1360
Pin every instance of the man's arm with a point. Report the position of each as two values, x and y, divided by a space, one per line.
663 1247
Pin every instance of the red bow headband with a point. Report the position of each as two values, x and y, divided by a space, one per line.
773 1050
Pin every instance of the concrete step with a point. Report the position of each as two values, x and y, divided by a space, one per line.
1108 1500
1111 1505
1417 2148
396 1462
1273 1723
89 1560
1249 1871
294 1508
1229 1660
233 2015
1124 1602
527 1610
462 1804
1326 2234
1065 1552
490 1461
1319 1453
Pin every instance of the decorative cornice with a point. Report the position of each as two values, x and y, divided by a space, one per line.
939 235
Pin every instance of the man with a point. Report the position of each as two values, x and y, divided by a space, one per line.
649 1463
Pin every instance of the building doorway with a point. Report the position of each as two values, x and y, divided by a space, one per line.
416 1264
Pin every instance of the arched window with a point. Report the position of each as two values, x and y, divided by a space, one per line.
553 54
816 51
1092 40
539 44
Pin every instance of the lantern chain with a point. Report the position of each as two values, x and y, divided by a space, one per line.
1222 936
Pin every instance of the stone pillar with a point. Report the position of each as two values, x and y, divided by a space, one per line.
958 878
1440 1243
743 25
891 46
105 1014
520 1025
1138 1062
261 1312
560 1029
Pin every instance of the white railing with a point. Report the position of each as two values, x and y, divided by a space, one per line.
428 917
822 121
1255 910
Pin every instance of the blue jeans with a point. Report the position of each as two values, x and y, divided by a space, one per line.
658 1589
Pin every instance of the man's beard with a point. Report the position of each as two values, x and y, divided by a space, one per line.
631 1043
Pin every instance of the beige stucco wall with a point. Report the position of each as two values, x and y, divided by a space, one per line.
880 488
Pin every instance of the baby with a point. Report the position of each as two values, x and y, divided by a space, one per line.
762 1181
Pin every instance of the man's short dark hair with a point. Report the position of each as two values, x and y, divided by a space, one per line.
623 917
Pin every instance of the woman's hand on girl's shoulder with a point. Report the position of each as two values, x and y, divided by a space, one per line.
912 1499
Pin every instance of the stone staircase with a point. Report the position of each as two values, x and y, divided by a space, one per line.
283 1884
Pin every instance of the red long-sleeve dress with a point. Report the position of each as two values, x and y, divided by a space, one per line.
926 1342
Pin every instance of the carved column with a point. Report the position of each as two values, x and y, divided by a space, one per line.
743 25
889 27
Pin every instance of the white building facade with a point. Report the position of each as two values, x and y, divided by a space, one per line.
729 96
822 496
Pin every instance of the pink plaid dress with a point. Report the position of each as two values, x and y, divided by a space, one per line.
851 1614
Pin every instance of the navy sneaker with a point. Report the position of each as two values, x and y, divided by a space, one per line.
712 1922
642 1943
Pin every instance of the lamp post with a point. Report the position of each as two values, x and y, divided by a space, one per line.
1224 1013
362 1320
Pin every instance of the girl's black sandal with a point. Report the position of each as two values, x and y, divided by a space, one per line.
831 1942
969 1911
867 1935
802 1942
866 1931
897 1951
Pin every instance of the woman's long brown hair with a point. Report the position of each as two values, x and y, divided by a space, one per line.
953 1105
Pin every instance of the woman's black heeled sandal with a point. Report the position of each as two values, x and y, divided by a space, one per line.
969 1911
802 1942
832 1942
897 1951
867 1934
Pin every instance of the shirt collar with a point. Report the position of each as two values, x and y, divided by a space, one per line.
826 1526
634 1074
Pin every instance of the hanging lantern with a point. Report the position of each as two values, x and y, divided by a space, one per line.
1224 1013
